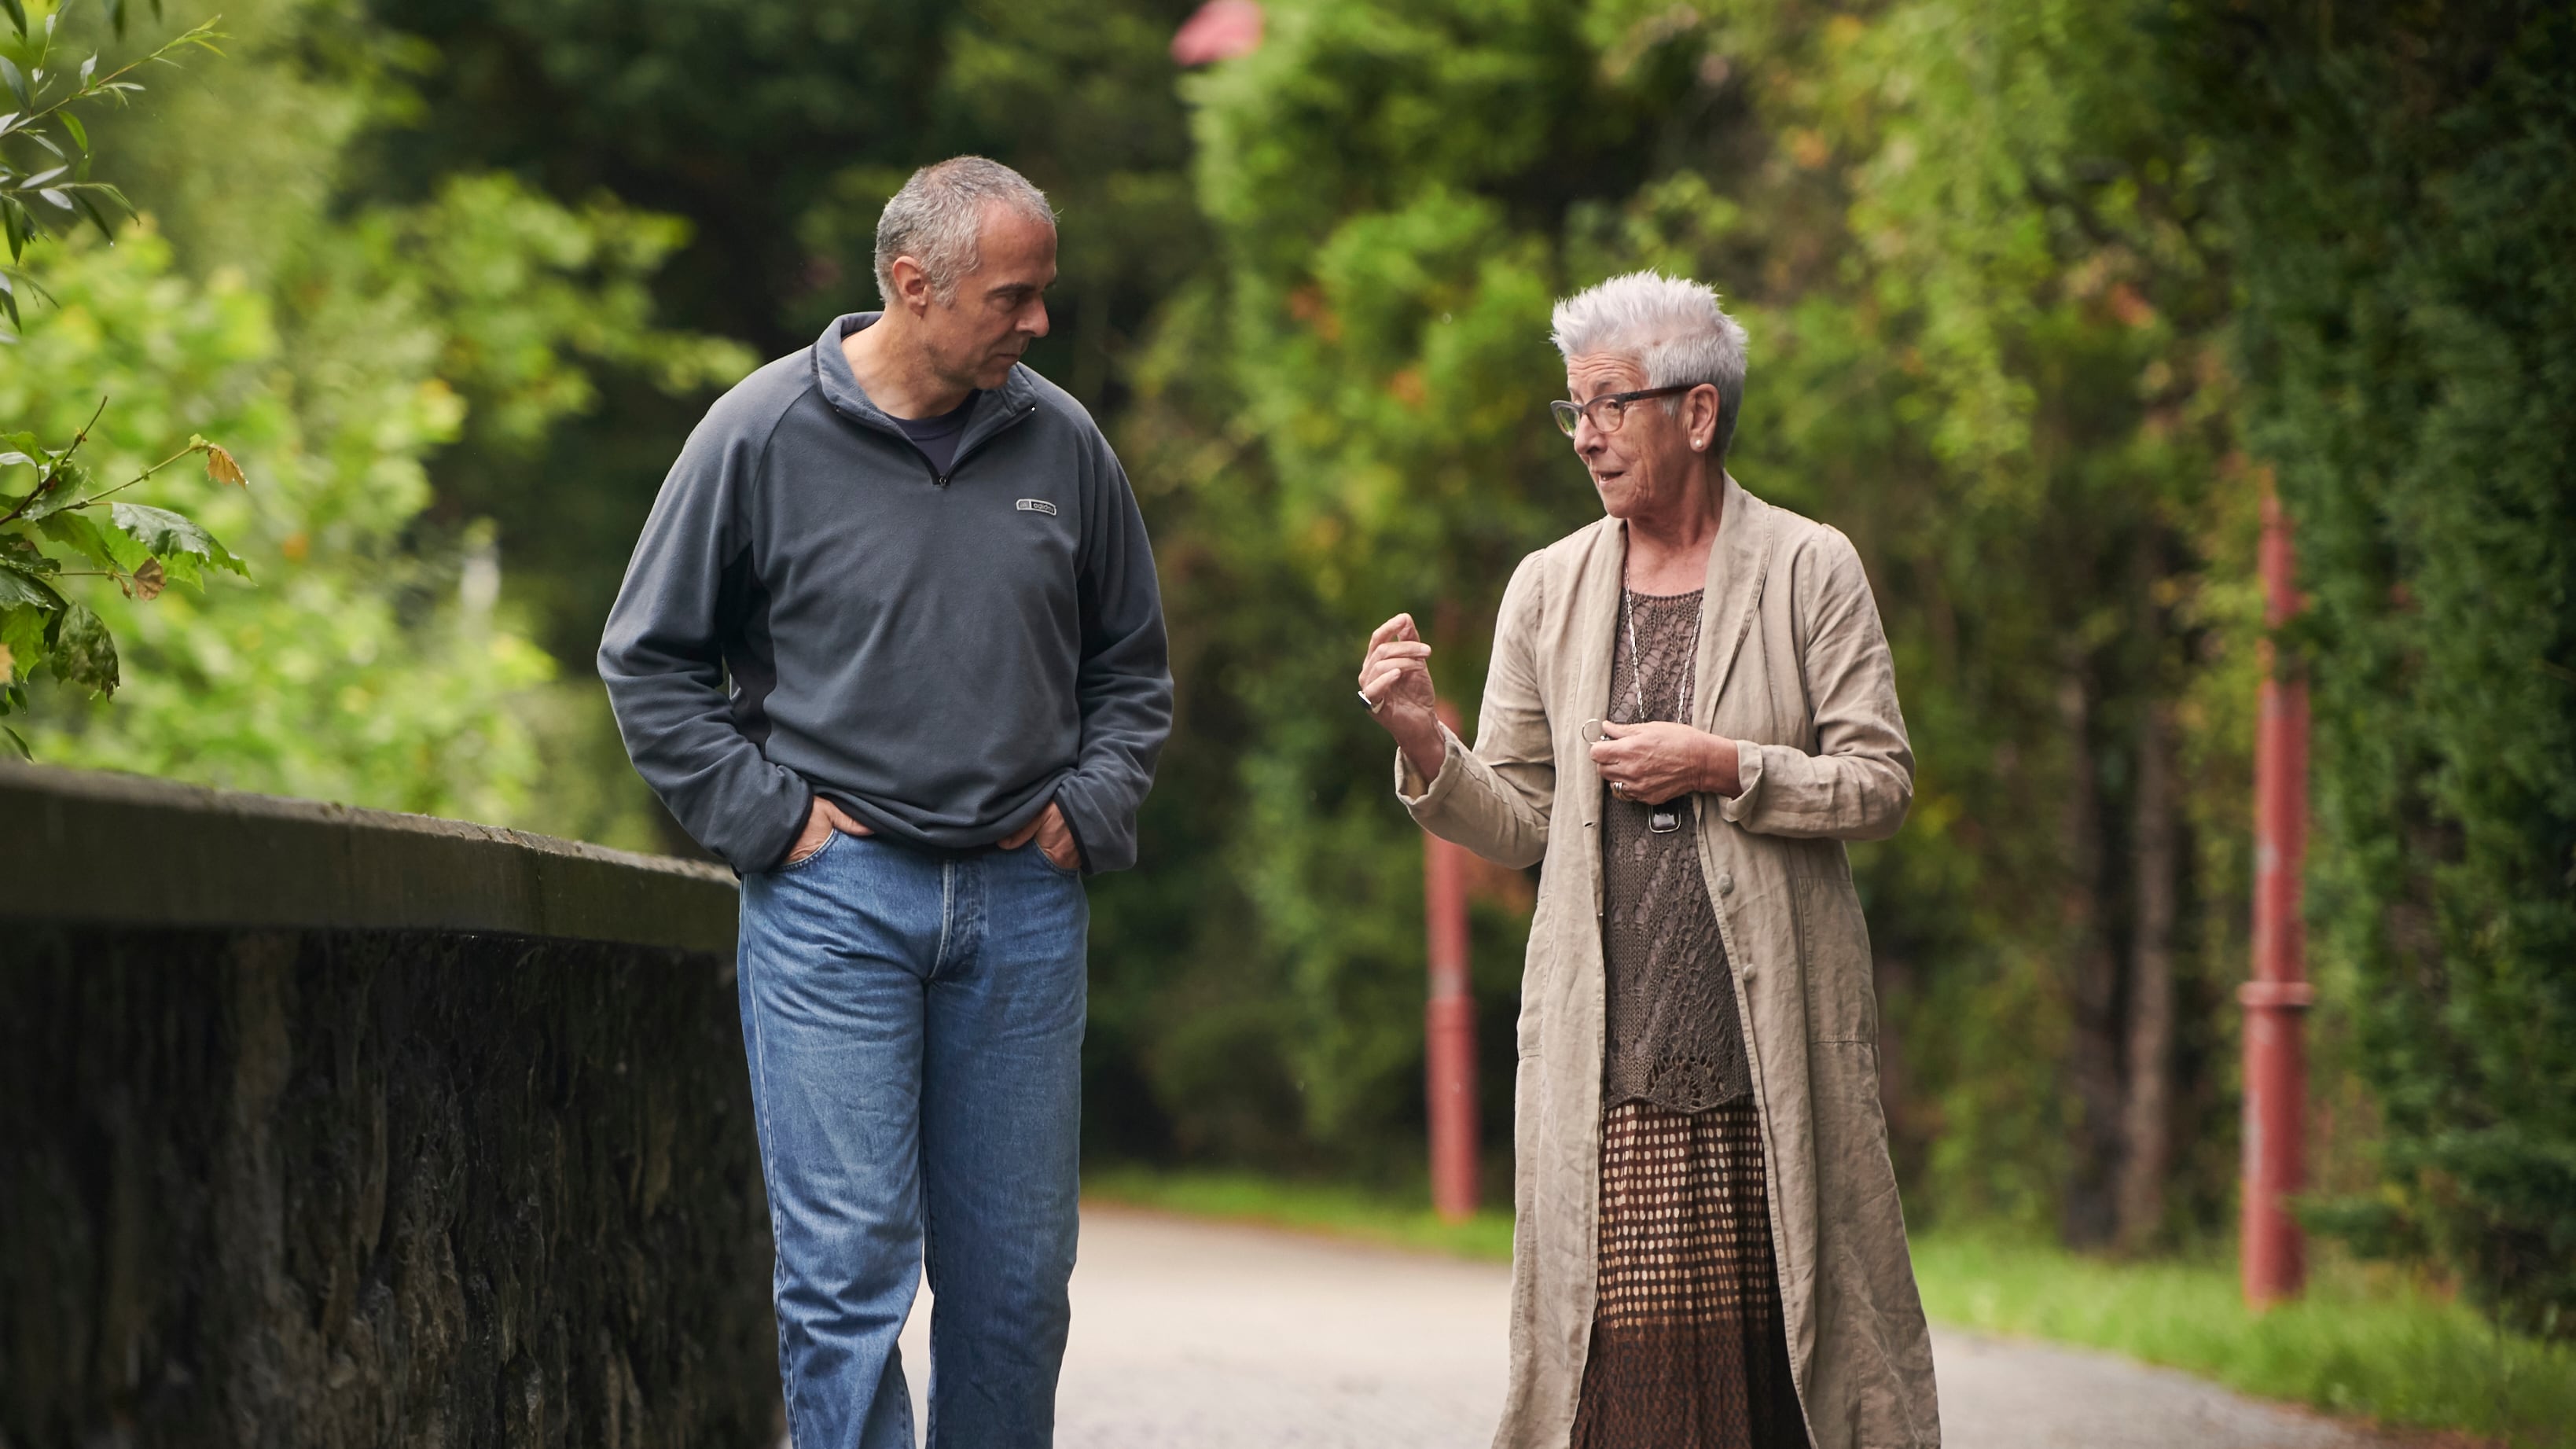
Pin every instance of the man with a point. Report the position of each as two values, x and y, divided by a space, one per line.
891 645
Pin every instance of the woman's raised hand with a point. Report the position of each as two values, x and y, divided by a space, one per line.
1395 679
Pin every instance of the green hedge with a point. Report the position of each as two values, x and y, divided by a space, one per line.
2403 182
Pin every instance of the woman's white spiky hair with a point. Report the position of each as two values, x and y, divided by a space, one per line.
1673 328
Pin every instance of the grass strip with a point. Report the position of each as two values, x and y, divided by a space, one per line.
1309 1207
2364 1342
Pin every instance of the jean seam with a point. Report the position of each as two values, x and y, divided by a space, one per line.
947 907
769 1187
930 1274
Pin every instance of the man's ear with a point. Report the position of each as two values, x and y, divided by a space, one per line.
911 285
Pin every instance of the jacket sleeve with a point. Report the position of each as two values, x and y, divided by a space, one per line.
1859 781
662 656
1496 799
1124 682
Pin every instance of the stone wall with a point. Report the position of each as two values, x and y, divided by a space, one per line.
327 1127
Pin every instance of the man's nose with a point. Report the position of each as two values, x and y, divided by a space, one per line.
1034 321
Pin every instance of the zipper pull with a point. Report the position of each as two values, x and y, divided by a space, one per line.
939 480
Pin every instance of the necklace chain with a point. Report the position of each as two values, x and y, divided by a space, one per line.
1637 661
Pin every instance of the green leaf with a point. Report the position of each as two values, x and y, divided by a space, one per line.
47 504
17 15
19 741
172 537
112 547
72 123
19 551
62 487
90 209
84 652
22 589
116 16
22 633
16 80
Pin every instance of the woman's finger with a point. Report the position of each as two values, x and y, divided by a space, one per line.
1381 655
1390 674
1399 627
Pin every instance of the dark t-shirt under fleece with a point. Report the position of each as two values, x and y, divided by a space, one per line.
816 607
936 436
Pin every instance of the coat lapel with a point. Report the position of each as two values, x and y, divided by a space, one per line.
1737 564
1595 612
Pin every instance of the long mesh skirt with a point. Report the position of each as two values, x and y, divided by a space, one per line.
1688 1348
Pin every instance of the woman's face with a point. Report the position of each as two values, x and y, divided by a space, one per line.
1648 464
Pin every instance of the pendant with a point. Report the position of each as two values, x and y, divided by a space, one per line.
1664 820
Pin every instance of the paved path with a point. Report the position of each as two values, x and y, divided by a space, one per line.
1191 1335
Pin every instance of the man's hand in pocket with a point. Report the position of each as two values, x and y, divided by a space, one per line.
820 822
1053 837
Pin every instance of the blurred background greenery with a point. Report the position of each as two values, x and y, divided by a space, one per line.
2042 295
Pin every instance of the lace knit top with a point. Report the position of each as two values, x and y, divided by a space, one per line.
1672 1038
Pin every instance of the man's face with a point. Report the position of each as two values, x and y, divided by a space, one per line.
1000 307
1647 461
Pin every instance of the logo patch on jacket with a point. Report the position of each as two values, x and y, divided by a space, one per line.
1036 505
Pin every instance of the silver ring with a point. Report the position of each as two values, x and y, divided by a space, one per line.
1364 699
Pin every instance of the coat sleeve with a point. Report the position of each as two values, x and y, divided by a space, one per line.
1859 781
1124 682
1495 800
662 657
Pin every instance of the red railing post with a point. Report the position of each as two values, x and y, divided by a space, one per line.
1449 1024
2277 999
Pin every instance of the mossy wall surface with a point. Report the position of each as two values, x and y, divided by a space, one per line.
426 1185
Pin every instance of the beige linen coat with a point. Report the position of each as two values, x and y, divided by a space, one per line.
1792 663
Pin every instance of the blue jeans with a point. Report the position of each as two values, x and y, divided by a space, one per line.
914 1024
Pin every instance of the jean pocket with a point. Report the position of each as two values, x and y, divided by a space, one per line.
790 867
1047 863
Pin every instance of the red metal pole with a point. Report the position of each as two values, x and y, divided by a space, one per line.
2277 999
1449 1024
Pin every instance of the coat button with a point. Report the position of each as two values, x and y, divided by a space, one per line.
1726 882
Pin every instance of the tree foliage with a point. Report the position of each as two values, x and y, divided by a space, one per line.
2403 185
1985 325
63 517
341 347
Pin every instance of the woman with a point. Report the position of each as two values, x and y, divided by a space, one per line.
1689 709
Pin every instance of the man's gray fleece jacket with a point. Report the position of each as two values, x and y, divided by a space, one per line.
813 610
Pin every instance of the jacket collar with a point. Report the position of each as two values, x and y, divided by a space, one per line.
1738 562
995 408
1739 559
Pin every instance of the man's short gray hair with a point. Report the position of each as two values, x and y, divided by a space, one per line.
1672 327
937 216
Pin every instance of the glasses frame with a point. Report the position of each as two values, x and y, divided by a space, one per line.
1569 413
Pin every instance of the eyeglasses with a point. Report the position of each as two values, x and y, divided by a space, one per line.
1609 410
